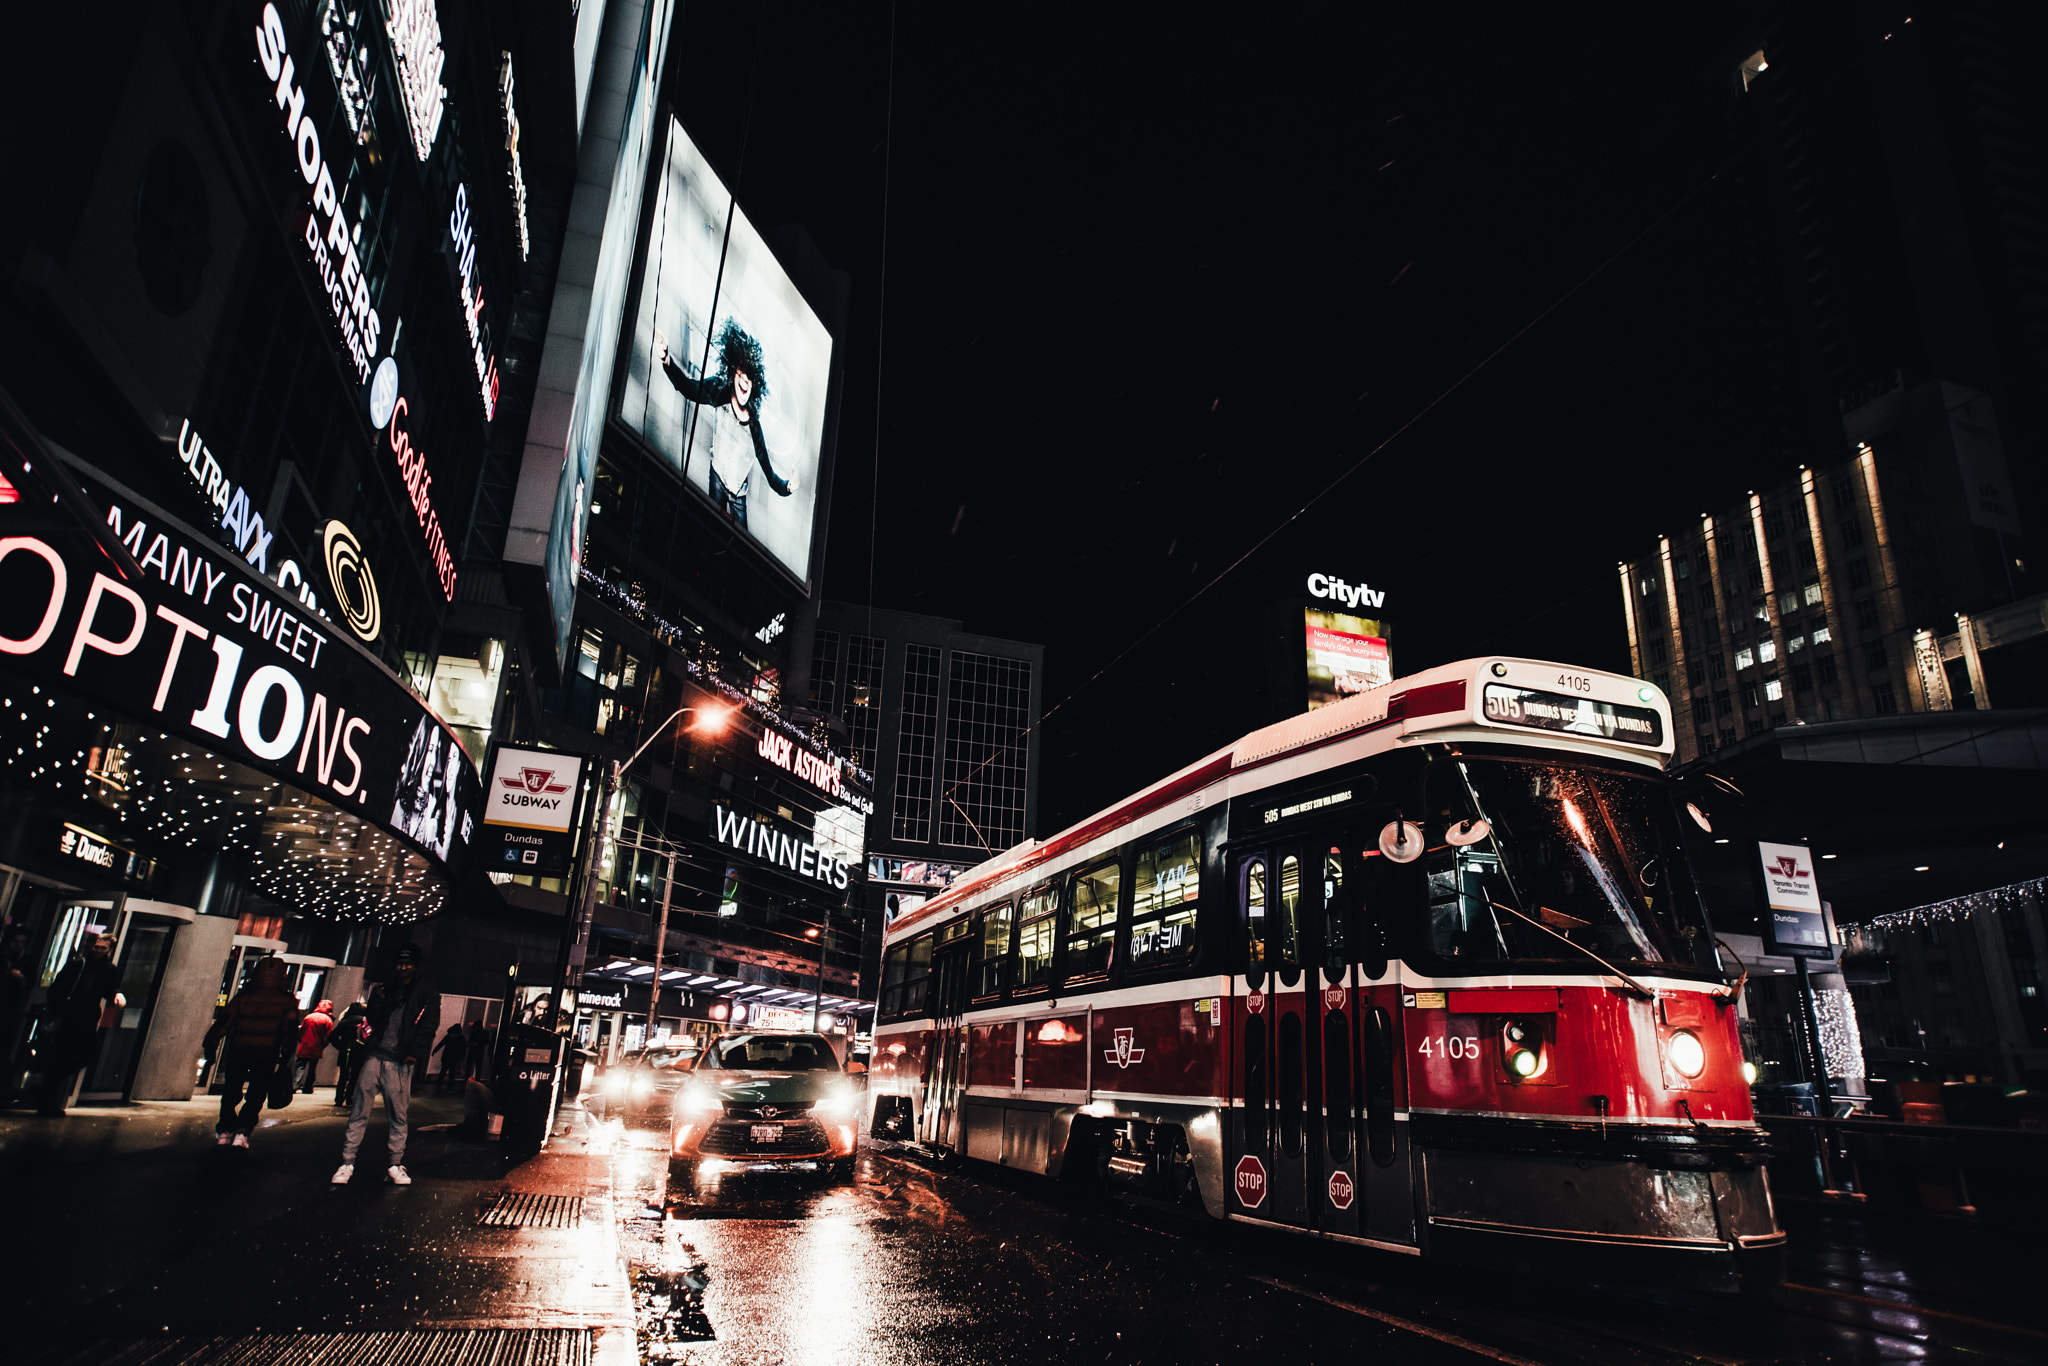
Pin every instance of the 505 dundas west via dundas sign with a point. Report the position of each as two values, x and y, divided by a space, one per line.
203 647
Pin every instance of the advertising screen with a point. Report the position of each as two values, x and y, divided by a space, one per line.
727 366
1346 655
608 290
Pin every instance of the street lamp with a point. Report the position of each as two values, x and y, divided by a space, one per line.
712 720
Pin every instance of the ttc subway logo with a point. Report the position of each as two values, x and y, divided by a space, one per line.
535 781
1788 866
1123 1055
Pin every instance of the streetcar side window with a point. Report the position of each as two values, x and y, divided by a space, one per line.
1334 949
1091 921
892 979
1165 888
1287 922
916 971
1255 922
992 953
1035 932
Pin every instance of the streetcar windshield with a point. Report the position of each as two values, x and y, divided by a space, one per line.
1590 855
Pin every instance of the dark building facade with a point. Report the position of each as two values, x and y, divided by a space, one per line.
947 721
275 277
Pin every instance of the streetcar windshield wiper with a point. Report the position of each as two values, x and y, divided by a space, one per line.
1634 985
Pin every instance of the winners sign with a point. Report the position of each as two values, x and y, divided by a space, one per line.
530 811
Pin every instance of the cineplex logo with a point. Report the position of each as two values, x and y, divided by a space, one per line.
266 709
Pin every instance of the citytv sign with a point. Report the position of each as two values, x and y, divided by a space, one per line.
1350 594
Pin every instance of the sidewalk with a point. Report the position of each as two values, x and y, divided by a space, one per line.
134 1234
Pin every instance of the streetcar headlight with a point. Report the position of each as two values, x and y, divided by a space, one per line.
1686 1054
1749 1071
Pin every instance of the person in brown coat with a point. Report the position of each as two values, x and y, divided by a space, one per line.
261 1028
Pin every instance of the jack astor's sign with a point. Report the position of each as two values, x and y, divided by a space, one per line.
202 646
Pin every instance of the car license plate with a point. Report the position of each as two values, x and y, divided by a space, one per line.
767 1133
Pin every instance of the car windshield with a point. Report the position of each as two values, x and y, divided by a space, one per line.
1590 853
775 1053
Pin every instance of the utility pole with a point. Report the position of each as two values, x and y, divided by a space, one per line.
660 949
823 932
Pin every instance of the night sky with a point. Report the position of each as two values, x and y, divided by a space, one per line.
1156 281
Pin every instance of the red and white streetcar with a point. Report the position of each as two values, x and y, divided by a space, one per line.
1424 969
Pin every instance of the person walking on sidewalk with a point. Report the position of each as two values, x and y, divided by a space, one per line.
71 1019
403 1013
260 1025
479 1055
452 1049
17 984
312 1043
350 1042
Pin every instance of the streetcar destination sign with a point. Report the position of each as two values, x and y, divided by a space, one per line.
1508 705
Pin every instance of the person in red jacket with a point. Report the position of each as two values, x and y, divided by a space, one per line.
312 1043
259 1027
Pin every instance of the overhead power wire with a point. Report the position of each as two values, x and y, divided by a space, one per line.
881 319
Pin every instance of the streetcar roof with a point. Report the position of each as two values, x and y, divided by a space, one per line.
1451 701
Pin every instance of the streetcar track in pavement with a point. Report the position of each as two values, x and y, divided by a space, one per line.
1908 1308
1396 1321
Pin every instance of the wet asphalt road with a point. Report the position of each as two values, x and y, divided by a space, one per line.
125 1227
960 1263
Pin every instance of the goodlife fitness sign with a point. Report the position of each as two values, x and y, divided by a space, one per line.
199 645
529 809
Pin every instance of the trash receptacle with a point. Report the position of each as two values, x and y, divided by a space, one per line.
526 1073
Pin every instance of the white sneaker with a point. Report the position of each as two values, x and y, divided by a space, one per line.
222 1140
241 1140
344 1173
398 1176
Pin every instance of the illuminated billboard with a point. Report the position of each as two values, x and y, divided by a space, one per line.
727 366
1346 655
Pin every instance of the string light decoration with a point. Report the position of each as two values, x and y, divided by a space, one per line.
166 796
1841 1041
1994 900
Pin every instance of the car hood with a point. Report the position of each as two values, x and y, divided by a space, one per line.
771 1088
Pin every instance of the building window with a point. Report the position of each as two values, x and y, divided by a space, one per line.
825 672
1723 706
1749 695
1824 668
1706 742
1774 523
1761 609
992 952
1882 699
1695 673
1866 614
1091 921
1774 689
1873 654
1713 625
988 710
1166 886
1795 645
1845 494
1852 537
1663 682
862 701
1788 603
1727 738
1702 711
1035 935
1822 633
917 744
1647 585
1802 678
1657 652
1812 593
1683 568
1766 651
1745 658
1718 665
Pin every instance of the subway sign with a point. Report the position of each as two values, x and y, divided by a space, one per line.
201 645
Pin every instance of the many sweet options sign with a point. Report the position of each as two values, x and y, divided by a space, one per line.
201 645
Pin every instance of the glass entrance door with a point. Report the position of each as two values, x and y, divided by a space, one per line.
143 955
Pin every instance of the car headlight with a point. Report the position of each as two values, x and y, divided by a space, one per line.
1686 1054
838 1103
699 1100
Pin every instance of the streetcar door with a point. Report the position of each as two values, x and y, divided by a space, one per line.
1334 1192
1386 1197
948 1076
1275 1036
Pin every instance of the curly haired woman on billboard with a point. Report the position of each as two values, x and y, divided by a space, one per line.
729 415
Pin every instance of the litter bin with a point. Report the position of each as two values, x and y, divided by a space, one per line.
526 1081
